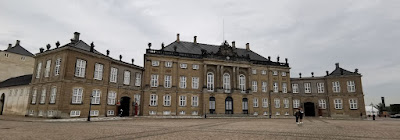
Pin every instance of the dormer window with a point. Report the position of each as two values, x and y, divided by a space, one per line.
274 72
168 64
155 63
283 73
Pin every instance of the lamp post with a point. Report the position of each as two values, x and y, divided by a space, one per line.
90 107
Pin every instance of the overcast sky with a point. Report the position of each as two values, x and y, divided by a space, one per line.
312 34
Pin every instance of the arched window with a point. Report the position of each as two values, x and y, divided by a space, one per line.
228 105
210 81
242 83
227 82
212 105
245 106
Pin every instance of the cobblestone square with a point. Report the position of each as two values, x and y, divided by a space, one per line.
239 128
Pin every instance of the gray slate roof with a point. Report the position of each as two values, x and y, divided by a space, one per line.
17 81
195 48
338 72
18 49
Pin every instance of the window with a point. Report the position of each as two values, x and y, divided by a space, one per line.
6 54
80 68
77 95
212 105
286 113
50 113
278 113
182 83
276 87
110 112
195 66
53 95
136 98
336 86
57 67
168 64
274 72
183 65
245 107
195 101
155 63
351 87
96 96
307 87
138 79
111 98
94 113
195 82
38 69
255 102
229 105
320 87
195 113
43 96
153 100
322 103
277 103
167 81
286 103
40 113
338 103
242 83
113 75
254 71
98 71
31 112
47 69
353 103
295 88
284 87
254 86
167 100
33 96
283 73
296 103
152 112
75 113
210 81
265 102
166 112
182 100
227 82
154 80
182 112
263 72
127 77
264 86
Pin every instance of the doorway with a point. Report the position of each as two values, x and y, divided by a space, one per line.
125 103
309 109
2 99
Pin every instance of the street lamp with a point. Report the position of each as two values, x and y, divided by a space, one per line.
90 107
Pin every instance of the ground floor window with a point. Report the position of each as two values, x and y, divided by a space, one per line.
94 113
353 103
212 105
110 112
338 104
75 113
322 103
245 106
229 105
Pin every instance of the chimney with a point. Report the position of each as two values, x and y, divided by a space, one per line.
233 44
48 46
356 71
17 43
195 39
91 47
177 38
41 50
312 74
57 44
108 52
9 46
248 46
277 59
269 58
337 65
76 36
286 60
162 46
300 75
120 57
149 45
133 60
327 73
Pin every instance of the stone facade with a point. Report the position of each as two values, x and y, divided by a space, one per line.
13 64
76 72
14 100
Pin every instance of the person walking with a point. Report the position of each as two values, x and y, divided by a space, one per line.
301 113
297 115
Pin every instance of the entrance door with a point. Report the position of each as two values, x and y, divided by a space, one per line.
125 103
309 109
228 105
2 99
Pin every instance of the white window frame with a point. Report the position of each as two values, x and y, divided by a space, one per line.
153 99
167 100
353 103
77 94
42 96
307 87
320 88
264 86
275 72
322 103
110 112
112 95
351 86
283 73
127 77
80 68
50 113
113 75
154 80
98 71
338 103
138 80
286 103
277 103
155 63
195 66
53 95
34 95
75 113
295 88
168 64
263 72
195 101
182 100
284 87
242 83
57 67
195 82
265 102
47 68
95 99
254 71
255 102
38 69
254 86
210 81
40 113
136 98
226 82
276 87
296 103
336 86
94 112
182 82
167 81
183 66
